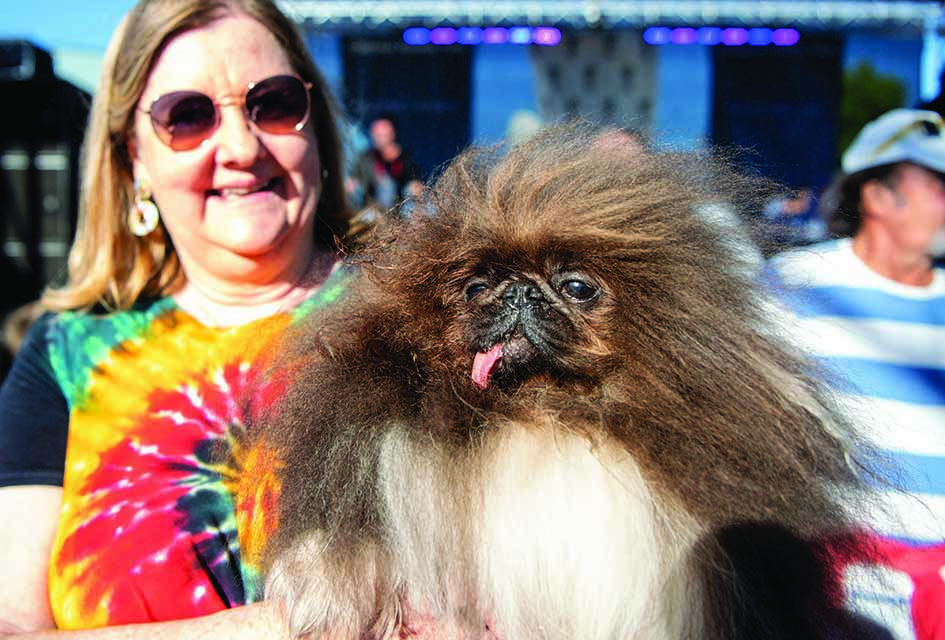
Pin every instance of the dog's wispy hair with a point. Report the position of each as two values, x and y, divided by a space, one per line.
659 471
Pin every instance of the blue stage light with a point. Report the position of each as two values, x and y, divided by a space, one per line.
520 35
416 36
709 36
759 37
658 35
469 35
729 36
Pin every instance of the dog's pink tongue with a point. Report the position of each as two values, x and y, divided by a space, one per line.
484 364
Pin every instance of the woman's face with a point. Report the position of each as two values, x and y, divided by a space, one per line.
241 205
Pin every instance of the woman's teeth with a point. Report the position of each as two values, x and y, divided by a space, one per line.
237 192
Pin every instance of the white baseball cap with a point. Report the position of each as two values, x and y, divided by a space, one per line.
900 135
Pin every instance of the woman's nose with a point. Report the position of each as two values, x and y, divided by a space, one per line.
236 139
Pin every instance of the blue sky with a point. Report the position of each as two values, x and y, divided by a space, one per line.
57 24
75 32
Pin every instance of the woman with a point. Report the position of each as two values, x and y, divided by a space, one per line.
211 203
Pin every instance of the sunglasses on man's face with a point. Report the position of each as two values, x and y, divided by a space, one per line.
183 120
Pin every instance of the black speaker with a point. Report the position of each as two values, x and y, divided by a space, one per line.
42 121
22 60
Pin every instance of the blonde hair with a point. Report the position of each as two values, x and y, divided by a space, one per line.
108 265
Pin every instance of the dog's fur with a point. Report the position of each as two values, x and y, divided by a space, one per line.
643 460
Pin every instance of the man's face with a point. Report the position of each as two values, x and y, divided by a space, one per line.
920 198
382 133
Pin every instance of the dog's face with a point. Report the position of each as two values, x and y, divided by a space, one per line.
497 292
505 295
522 323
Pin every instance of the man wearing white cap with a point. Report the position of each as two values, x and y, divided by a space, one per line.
871 306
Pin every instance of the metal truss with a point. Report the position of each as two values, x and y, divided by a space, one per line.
915 15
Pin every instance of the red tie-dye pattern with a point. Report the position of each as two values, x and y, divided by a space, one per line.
158 499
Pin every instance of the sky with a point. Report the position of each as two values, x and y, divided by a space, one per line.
75 32
74 24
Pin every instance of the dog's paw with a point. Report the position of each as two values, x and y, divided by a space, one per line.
332 592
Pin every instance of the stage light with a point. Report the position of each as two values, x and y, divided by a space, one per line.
546 36
759 37
734 36
469 35
658 35
495 35
416 36
785 37
684 35
730 36
520 35
443 35
709 36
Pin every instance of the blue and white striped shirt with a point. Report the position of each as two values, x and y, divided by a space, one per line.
887 341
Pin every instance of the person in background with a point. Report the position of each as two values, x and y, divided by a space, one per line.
384 173
793 219
871 305
212 204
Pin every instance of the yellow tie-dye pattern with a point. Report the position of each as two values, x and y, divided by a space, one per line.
256 514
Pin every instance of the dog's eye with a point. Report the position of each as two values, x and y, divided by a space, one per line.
578 290
474 289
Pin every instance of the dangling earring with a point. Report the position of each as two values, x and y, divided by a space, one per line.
144 215
324 173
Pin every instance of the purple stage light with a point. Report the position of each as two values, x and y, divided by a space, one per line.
546 36
734 36
443 35
684 35
785 37
495 35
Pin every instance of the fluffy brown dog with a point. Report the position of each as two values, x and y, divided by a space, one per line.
550 408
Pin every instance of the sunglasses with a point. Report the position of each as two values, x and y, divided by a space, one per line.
183 120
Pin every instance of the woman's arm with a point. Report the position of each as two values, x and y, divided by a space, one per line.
251 622
34 423
28 518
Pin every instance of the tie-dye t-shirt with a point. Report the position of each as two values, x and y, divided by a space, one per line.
156 449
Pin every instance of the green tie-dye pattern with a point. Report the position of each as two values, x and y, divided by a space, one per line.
79 341
329 292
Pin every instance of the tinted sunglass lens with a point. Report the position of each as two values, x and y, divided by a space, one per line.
184 119
279 104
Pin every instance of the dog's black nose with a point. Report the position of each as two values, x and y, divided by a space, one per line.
520 295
